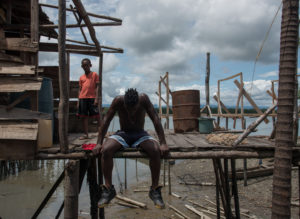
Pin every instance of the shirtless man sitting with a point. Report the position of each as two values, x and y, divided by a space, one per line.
131 108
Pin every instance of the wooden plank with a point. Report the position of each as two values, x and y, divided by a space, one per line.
251 101
24 114
96 24
83 14
90 14
18 131
17 149
19 100
18 44
19 85
23 70
181 142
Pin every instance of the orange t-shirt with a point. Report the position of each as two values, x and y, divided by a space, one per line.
88 84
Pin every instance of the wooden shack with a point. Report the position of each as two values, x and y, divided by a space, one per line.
22 23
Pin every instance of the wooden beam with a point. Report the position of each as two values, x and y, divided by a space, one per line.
251 101
71 189
18 44
222 104
78 22
207 78
19 100
90 14
63 109
24 70
253 126
53 47
83 14
96 24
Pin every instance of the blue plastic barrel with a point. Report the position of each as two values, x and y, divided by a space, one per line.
46 96
46 99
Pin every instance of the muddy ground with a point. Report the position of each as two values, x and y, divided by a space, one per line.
255 199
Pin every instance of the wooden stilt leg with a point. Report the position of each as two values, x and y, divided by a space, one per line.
235 190
93 187
71 186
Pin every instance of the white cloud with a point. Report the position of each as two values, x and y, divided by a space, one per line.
269 74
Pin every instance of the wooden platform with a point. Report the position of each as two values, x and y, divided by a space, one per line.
182 146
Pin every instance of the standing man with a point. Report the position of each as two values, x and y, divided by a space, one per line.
88 96
131 109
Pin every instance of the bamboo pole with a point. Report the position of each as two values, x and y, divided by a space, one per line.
71 188
63 109
253 125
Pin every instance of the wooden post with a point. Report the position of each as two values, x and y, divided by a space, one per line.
34 34
100 87
207 78
93 187
125 173
100 182
63 109
168 98
235 190
71 187
159 100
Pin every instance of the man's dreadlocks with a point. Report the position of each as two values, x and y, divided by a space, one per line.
131 97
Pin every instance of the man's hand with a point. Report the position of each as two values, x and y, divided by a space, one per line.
96 101
164 150
97 149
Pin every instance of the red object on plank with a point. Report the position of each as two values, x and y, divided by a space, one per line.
88 147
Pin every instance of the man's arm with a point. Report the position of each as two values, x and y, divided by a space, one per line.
97 90
107 119
79 90
157 124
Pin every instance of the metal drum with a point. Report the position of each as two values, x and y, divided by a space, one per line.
186 110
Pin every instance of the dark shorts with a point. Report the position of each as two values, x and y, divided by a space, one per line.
87 108
131 139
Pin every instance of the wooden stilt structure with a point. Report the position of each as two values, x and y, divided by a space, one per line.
71 187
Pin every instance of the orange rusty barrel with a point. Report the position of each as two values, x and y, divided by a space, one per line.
186 110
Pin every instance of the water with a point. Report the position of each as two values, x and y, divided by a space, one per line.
22 193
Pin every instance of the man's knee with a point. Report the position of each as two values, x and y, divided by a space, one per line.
151 148
109 148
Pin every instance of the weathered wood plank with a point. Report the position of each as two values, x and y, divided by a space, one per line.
19 85
18 113
18 44
18 131
23 70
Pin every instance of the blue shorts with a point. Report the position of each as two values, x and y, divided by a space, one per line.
131 139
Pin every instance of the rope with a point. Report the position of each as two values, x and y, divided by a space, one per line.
262 45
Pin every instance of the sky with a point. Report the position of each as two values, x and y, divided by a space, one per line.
160 36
